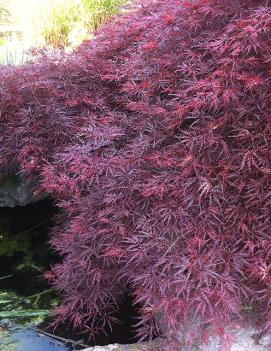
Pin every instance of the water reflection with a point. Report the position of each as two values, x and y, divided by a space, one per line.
17 338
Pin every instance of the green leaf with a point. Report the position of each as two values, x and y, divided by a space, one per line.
7 276
24 313
42 293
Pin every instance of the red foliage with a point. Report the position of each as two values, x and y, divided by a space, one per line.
154 140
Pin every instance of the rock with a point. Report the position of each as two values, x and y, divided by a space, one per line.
244 339
15 192
145 346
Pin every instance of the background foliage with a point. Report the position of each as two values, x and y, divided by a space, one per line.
59 23
51 23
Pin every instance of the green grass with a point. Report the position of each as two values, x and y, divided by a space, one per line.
60 23
51 23
13 53
98 11
24 314
16 307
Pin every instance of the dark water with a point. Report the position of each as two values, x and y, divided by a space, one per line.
24 256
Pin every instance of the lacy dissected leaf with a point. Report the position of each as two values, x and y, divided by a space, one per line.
154 140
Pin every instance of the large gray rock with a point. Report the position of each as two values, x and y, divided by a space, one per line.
245 339
15 192
148 346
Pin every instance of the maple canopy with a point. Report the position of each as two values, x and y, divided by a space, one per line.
154 141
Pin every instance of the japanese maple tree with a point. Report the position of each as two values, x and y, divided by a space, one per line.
154 141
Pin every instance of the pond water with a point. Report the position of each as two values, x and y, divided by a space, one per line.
25 297
18 338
